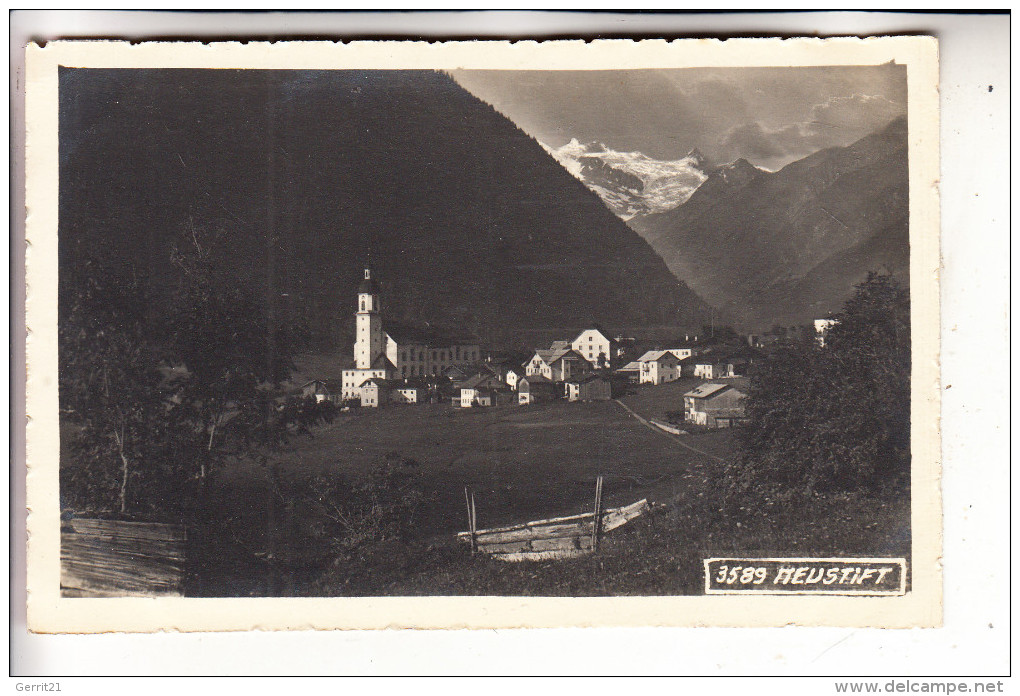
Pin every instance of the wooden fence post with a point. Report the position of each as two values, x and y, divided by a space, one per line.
474 522
469 501
596 527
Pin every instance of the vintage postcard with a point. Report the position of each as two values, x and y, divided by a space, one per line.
481 335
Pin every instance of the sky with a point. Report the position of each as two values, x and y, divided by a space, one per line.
769 116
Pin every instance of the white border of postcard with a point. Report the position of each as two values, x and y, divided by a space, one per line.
49 612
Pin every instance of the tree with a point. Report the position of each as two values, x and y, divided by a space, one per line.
113 397
838 417
234 347
160 381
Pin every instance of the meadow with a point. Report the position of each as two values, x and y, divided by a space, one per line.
527 463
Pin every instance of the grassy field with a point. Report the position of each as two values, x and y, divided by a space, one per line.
522 462
527 463
653 401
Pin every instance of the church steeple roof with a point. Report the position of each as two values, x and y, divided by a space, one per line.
368 286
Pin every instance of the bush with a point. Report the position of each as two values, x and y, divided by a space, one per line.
835 418
267 530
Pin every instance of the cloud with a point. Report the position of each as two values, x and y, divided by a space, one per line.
754 142
770 116
856 113
839 121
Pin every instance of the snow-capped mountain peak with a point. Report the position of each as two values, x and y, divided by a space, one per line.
632 183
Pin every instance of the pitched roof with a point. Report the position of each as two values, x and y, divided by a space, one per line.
633 366
559 355
535 379
381 362
585 378
379 382
656 355
398 384
545 355
707 389
430 336
560 345
482 381
596 327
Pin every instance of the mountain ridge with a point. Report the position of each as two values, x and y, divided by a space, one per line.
748 240
631 183
313 174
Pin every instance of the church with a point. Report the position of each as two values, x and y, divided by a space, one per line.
388 353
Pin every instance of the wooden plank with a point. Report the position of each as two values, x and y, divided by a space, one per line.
539 555
611 519
551 532
538 523
621 516
565 543
111 558
471 520
126 530
596 527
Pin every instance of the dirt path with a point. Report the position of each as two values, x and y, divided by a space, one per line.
674 438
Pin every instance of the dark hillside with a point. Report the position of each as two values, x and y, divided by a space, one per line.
312 174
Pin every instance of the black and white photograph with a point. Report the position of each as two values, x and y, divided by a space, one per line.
475 332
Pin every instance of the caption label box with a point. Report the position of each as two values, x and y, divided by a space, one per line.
835 576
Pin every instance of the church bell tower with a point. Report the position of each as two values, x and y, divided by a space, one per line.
369 342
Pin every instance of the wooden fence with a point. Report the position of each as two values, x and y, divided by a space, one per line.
554 538
108 558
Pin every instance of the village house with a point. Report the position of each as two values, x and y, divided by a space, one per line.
380 368
323 390
710 367
396 352
716 405
631 371
375 392
624 347
484 389
458 374
557 365
684 351
539 364
720 367
513 376
822 327
532 389
595 346
589 387
568 364
762 340
408 392
687 366
507 370
658 367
